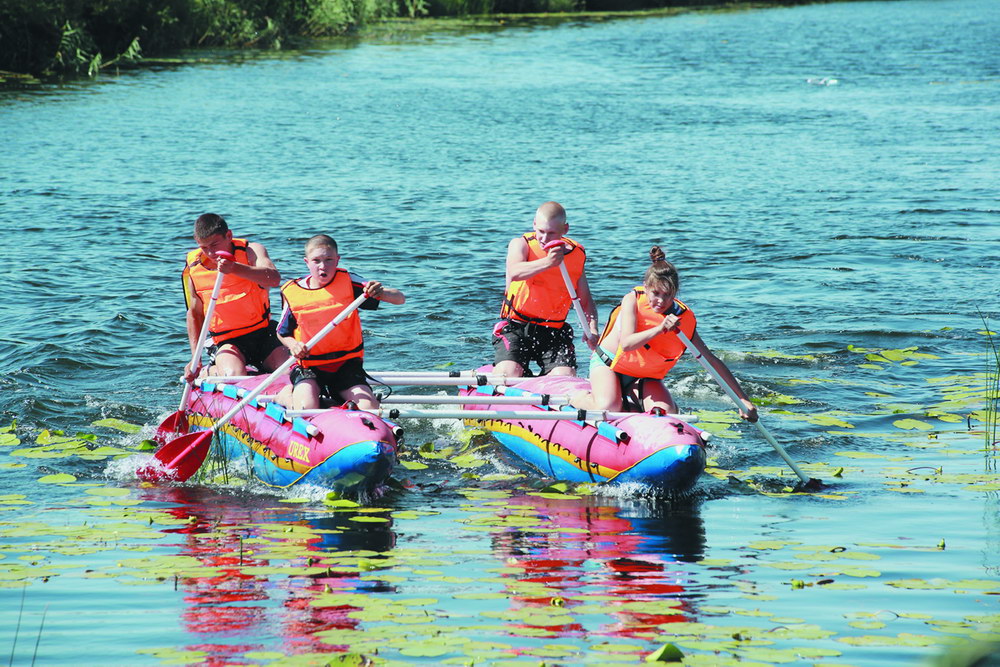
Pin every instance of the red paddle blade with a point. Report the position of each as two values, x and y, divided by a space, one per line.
174 424
179 459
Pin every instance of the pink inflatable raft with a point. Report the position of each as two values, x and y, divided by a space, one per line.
341 449
660 451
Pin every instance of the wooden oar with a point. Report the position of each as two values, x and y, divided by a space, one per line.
540 415
181 457
178 421
807 482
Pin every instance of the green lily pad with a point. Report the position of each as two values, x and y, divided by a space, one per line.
60 478
118 425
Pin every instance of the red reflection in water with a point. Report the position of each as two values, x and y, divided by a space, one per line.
599 555
222 603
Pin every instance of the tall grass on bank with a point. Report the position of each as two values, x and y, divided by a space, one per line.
991 410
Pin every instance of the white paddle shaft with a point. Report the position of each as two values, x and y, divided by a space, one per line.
577 306
739 404
539 415
199 346
354 305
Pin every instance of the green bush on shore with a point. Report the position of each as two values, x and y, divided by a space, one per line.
81 36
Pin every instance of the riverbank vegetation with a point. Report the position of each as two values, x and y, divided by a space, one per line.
84 37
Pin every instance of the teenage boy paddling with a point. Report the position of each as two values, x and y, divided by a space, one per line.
333 367
241 327
536 302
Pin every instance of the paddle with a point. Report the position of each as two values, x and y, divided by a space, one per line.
807 482
431 381
577 306
181 457
178 422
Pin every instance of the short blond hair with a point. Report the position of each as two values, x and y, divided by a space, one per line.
321 240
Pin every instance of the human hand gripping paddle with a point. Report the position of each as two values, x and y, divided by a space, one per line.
178 422
577 306
807 482
182 457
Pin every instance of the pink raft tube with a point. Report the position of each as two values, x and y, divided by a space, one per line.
344 450
658 451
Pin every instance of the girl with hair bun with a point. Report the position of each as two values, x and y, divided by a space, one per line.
640 345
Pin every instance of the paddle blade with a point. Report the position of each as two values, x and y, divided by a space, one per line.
173 425
179 459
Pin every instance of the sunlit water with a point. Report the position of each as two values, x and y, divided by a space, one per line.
824 177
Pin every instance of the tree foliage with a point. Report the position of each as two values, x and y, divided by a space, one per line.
81 36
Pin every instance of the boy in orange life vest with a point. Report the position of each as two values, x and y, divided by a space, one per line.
333 367
533 314
639 345
242 330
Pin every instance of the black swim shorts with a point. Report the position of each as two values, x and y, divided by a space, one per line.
332 382
255 346
523 343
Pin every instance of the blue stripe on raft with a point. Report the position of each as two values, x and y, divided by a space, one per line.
362 463
537 458
676 468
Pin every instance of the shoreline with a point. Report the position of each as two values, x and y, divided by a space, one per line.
390 29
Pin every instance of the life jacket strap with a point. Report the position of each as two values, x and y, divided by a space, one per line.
331 356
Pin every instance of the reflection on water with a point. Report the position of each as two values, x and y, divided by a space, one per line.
591 554
263 570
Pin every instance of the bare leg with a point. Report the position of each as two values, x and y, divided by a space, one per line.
278 356
655 395
604 394
562 370
284 397
305 396
362 395
510 369
229 361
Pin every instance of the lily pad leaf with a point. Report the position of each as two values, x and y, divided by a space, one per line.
118 425
912 424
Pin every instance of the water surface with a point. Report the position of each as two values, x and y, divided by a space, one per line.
813 223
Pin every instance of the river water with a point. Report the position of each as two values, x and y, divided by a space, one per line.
825 179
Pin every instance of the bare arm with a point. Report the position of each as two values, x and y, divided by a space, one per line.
260 269
195 319
286 333
750 410
295 347
590 308
375 290
520 268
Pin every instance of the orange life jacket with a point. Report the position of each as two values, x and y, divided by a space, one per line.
657 356
314 309
543 298
243 305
